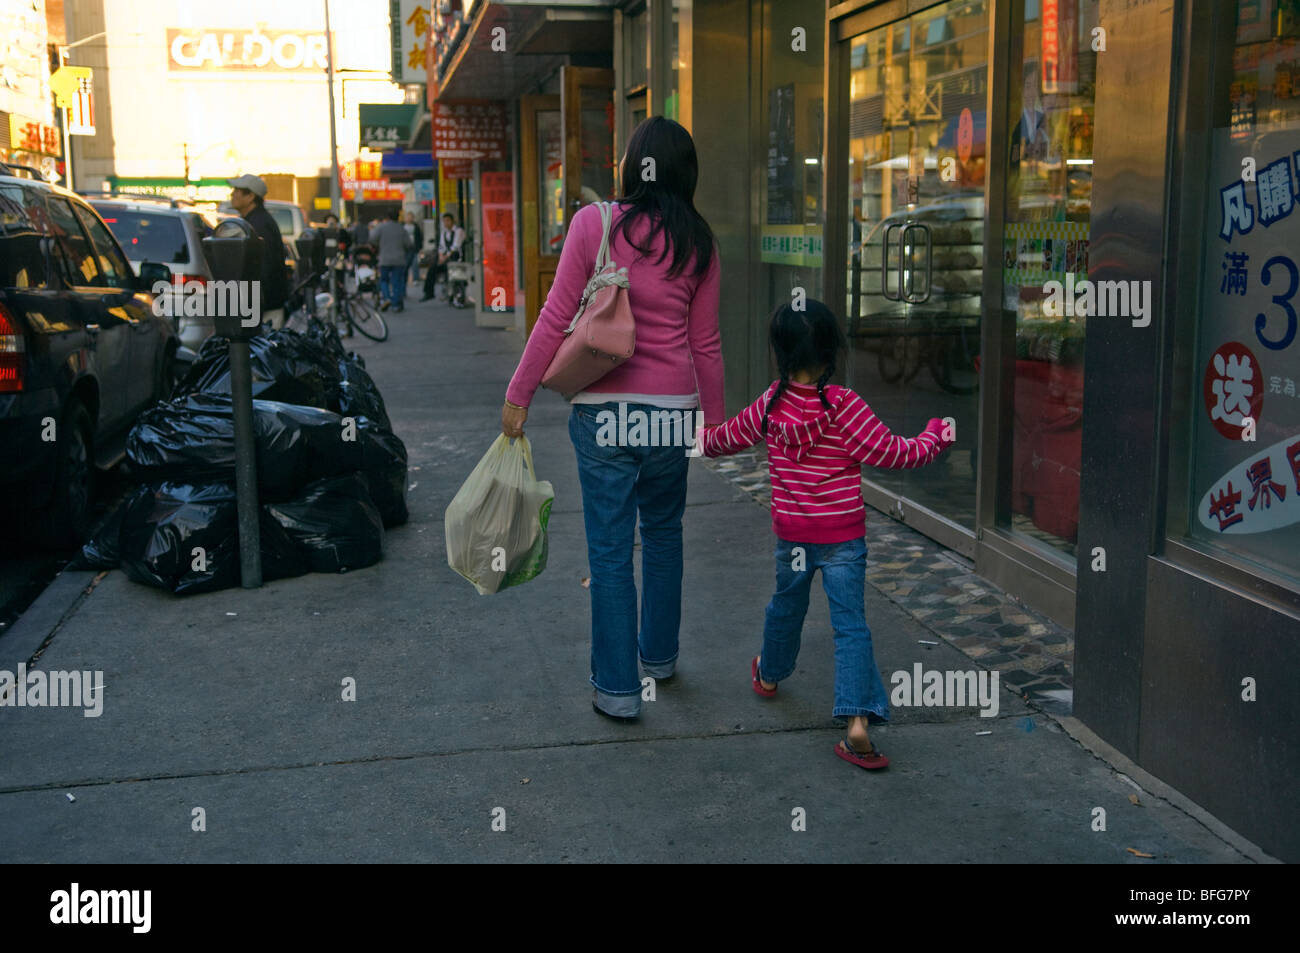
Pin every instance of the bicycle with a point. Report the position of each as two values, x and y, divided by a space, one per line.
357 308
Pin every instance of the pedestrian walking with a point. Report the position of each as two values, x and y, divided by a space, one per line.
818 437
416 234
394 251
450 241
673 269
248 194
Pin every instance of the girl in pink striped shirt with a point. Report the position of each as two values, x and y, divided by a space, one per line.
818 437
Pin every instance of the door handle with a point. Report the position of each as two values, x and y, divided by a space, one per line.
884 265
911 296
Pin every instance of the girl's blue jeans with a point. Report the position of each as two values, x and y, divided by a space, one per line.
618 484
858 687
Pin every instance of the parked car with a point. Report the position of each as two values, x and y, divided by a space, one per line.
81 352
151 231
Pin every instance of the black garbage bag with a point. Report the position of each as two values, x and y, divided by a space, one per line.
334 524
103 550
383 459
356 395
192 439
324 336
185 539
286 366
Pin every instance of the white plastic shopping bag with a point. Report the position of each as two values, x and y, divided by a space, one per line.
496 523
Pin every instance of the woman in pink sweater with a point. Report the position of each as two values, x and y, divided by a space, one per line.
673 271
818 437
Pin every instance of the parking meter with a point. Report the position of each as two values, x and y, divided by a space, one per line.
234 253
311 251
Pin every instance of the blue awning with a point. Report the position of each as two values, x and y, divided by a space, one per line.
399 160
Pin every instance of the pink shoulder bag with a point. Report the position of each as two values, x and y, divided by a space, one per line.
602 335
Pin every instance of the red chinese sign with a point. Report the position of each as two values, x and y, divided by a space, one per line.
32 136
498 240
469 130
457 168
1233 389
366 177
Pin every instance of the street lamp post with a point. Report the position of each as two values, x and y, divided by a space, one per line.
334 143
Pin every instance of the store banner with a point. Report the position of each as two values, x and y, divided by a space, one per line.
386 126
263 51
469 130
1060 46
458 168
32 135
498 240
408 22
73 88
1246 437
363 181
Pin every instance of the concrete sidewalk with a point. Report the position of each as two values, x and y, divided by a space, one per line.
473 709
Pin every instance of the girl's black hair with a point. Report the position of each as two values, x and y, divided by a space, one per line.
804 340
664 190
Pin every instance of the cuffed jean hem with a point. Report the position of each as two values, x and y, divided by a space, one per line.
659 669
873 717
620 706
766 678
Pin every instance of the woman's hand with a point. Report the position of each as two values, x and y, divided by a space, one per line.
512 419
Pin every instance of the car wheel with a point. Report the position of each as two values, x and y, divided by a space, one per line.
74 480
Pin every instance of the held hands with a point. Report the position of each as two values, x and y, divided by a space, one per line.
512 419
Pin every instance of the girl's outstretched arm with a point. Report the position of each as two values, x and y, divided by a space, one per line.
869 441
739 433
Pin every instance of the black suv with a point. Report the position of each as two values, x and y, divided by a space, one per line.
81 353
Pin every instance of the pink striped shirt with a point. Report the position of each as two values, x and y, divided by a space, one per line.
815 457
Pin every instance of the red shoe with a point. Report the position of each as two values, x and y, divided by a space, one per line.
758 685
872 760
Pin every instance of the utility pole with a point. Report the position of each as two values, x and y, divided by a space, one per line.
334 142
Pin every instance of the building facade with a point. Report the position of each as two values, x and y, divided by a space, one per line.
1068 225
244 90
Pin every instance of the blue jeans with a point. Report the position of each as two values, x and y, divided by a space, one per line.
392 283
858 688
618 483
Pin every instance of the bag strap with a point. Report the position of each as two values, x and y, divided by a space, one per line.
602 256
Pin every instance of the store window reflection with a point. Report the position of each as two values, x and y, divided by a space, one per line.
918 90
1045 257
1243 488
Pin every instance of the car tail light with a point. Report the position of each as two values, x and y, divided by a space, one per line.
12 350
179 279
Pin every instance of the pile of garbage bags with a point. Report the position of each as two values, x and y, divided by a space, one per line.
331 474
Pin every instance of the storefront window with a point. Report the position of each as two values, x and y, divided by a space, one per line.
550 182
1244 479
1045 263
790 240
918 90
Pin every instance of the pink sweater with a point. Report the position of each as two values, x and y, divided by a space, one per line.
815 457
677 340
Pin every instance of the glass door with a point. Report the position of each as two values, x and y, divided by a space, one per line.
917 114
542 187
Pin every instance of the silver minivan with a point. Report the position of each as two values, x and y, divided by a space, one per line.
153 230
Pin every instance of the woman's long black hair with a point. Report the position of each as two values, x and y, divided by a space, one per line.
804 340
663 188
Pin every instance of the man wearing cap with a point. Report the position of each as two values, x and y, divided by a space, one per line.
249 192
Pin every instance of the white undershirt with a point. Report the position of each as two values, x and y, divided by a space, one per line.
667 401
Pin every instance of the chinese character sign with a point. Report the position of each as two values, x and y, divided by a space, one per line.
469 130
1246 436
408 22
498 239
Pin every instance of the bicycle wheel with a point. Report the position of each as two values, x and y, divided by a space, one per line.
365 318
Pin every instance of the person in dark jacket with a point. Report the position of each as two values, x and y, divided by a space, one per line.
248 196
